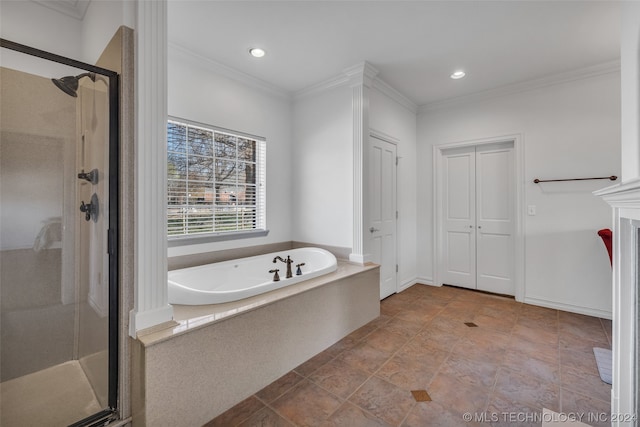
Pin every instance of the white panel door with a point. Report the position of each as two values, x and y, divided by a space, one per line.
478 218
382 212
495 218
458 218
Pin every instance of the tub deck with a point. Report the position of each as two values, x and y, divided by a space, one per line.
192 317
218 355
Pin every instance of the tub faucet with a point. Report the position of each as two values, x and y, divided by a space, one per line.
287 261
276 278
299 270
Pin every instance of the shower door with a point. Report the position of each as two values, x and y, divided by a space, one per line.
58 240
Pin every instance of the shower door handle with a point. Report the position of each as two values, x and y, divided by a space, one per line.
90 210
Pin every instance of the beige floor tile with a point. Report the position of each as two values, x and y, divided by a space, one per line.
594 412
518 360
306 404
579 381
339 378
478 373
310 366
384 400
537 335
527 389
527 365
265 417
385 340
457 396
279 387
364 357
350 415
505 412
436 415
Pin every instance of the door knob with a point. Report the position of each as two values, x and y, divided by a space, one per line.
373 230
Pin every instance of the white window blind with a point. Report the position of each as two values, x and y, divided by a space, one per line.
216 180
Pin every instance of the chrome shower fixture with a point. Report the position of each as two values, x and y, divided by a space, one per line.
69 84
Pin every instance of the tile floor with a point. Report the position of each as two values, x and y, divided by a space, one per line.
516 361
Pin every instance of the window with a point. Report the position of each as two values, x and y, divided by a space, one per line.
216 182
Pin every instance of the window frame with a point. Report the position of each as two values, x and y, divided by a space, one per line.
260 186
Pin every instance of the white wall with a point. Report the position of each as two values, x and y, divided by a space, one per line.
630 76
323 168
388 116
34 25
198 93
31 24
101 21
569 130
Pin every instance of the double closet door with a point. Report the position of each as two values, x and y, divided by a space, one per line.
477 211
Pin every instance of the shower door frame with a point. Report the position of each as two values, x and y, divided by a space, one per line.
113 235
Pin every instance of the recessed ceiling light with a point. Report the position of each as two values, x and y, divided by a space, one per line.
256 52
457 75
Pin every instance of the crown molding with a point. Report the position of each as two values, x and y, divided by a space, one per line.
363 73
330 83
73 8
392 93
226 71
554 79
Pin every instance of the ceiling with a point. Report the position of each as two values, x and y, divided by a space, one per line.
415 45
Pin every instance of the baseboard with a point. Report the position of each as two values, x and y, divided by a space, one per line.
568 307
415 281
407 284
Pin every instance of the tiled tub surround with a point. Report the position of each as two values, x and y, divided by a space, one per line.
217 355
518 360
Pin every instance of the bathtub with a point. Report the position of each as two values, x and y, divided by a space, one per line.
245 277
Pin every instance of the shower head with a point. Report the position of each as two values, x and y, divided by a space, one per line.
69 84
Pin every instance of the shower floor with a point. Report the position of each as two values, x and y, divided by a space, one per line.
60 395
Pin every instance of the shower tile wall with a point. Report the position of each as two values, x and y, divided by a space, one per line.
36 327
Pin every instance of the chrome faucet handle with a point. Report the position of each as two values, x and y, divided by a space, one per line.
276 277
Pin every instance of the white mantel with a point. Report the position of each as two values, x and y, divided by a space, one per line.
624 198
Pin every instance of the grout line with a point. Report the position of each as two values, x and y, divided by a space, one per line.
373 374
281 415
411 338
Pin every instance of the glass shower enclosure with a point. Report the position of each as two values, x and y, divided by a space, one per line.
58 240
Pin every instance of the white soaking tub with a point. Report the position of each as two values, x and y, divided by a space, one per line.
234 280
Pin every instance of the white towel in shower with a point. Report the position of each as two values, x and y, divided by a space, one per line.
50 232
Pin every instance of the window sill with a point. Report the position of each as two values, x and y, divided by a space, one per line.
214 237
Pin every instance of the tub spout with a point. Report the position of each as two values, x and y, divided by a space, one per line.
287 261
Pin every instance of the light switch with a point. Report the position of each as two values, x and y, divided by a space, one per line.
531 210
